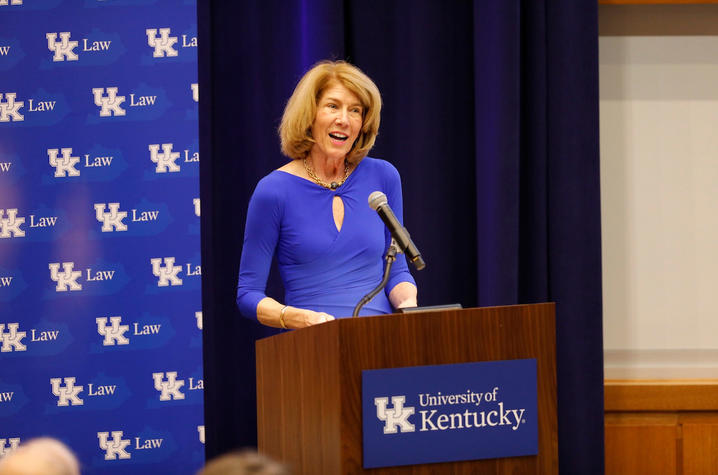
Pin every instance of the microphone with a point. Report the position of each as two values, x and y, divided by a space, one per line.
378 202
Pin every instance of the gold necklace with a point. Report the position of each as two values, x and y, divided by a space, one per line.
331 186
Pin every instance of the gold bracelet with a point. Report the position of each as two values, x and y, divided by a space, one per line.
281 316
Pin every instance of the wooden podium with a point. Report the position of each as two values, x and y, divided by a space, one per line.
309 412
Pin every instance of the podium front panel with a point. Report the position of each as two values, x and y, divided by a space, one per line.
309 382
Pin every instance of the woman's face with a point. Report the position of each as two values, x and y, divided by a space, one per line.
337 123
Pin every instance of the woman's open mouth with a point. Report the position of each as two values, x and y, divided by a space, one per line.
338 138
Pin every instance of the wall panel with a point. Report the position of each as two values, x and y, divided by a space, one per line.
100 317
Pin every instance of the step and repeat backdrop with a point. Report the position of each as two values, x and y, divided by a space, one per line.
100 317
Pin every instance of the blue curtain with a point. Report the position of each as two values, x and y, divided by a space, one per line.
491 117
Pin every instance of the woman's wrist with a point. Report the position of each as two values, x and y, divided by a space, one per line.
282 323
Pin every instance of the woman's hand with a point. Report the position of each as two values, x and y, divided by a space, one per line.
308 318
269 312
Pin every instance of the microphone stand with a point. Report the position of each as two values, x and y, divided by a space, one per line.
390 258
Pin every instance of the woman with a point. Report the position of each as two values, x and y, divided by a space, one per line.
313 212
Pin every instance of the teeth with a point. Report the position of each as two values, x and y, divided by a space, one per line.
338 136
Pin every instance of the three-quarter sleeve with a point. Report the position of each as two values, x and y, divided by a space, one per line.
400 270
261 234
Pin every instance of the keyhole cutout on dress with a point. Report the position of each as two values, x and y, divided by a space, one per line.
338 212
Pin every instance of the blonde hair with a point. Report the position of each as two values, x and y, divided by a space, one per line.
295 131
243 462
41 456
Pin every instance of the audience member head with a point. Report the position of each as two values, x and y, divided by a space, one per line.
244 462
41 456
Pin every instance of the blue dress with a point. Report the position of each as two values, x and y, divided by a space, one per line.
322 269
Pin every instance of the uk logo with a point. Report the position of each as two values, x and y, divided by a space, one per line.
63 50
12 340
395 417
113 333
163 44
166 160
112 220
64 165
9 108
12 443
67 280
167 274
10 226
115 448
110 104
169 389
66 395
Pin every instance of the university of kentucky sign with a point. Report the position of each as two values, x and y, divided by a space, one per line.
445 413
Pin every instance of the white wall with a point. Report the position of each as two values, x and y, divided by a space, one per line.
659 179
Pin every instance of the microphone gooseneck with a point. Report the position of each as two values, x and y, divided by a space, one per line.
390 258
